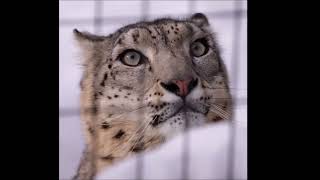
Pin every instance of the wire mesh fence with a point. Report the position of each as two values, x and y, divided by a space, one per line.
237 14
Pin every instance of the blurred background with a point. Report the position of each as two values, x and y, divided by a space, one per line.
228 18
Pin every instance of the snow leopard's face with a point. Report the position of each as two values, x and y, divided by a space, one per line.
161 76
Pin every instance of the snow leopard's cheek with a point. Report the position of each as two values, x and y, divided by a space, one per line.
220 99
207 66
136 78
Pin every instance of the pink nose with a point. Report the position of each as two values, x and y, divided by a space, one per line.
180 87
183 86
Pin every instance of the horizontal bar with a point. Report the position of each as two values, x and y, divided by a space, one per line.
125 19
74 112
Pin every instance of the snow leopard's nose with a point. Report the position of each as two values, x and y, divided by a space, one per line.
180 87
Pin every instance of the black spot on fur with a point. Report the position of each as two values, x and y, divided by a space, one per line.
135 36
109 97
168 31
116 96
172 27
150 69
217 118
105 125
156 120
95 96
175 32
104 79
91 131
119 134
94 109
110 66
138 148
100 93
120 41
109 157
153 37
128 88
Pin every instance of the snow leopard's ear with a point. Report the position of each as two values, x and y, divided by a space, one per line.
199 19
86 39
88 44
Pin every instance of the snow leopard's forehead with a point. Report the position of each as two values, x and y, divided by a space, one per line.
161 33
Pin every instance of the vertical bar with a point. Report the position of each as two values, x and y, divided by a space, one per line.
139 157
97 25
185 161
139 167
185 153
145 5
98 10
191 5
235 75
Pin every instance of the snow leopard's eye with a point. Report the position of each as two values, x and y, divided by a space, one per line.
131 58
199 48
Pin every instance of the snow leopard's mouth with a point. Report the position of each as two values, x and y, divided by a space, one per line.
182 110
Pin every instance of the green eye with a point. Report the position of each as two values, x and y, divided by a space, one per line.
131 58
198 48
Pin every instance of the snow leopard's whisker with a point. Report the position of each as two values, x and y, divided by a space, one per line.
139 134
145 92
142 132
218 110
130 138
124 142
221 110
221 114
226 88
124 113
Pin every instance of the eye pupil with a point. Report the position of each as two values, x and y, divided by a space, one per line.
198 48
131 58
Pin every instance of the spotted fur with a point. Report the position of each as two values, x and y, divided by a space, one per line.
130 111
